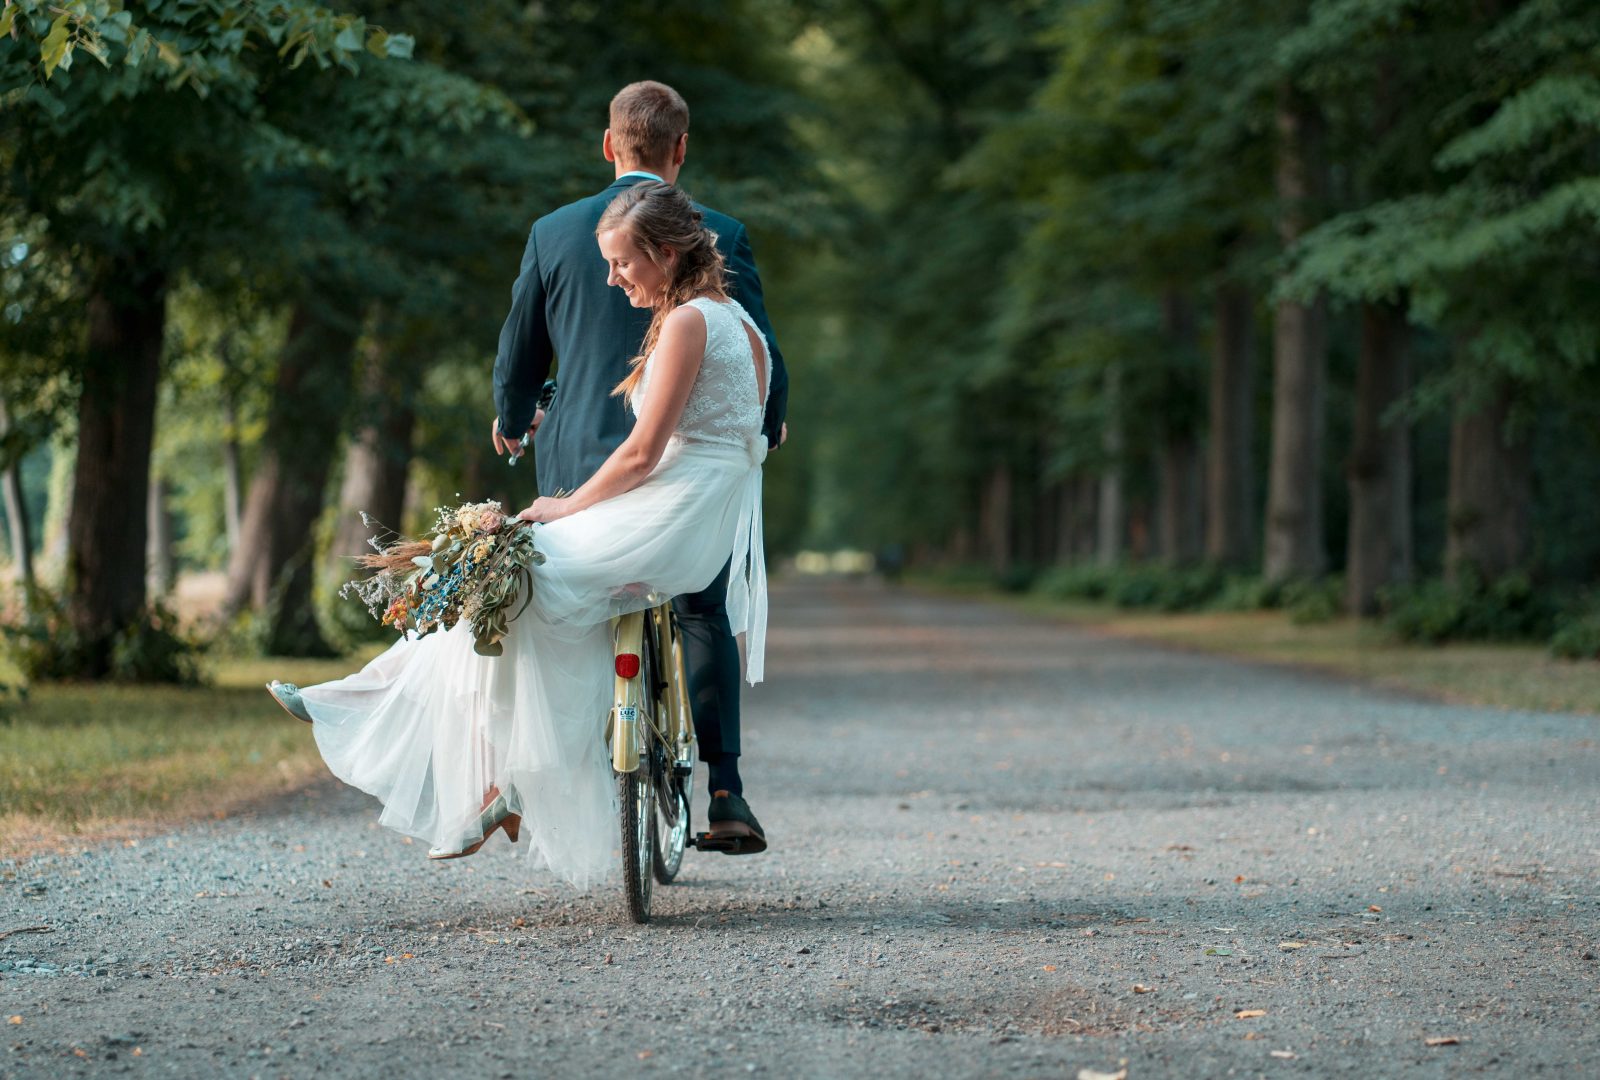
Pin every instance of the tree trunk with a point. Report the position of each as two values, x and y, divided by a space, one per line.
232 478
158 554
272 568
994 519
1178 492
1294 542
1230 473
116 426
1380 464
16 510
1490 488
377 462
1179 489
1113 510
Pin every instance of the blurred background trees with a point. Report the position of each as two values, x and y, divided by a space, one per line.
1175 302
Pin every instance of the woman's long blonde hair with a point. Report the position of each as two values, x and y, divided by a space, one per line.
659 217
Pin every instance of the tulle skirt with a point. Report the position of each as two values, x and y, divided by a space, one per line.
429 726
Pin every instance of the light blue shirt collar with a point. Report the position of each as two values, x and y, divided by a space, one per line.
641 174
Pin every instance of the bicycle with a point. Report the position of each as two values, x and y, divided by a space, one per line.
651 732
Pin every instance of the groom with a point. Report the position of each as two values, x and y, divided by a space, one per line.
562 307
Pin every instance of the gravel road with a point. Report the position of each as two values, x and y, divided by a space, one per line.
1001 847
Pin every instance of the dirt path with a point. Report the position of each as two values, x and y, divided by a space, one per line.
1001 847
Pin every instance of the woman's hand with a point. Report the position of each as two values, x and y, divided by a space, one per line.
546 509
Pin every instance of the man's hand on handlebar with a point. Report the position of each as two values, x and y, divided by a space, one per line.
503 445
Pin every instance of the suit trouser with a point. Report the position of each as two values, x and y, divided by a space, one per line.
711 664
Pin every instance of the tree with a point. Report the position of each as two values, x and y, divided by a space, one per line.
135 164
1492 246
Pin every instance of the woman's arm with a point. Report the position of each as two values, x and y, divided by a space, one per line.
679 350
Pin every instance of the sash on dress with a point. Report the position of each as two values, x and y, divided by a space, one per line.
747 581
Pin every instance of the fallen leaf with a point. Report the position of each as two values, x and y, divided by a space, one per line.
1287 1055
1049 967
1215 951
15 1020
407 956
326 884
138 1051
1251 1036
1291 945
643 1054
1442 1040
1091 1074
1141 988
1239 880
1373 907
1249 1014
608 958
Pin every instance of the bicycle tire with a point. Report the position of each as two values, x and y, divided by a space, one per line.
669 850
638 819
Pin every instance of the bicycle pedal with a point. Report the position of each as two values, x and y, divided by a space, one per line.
706 842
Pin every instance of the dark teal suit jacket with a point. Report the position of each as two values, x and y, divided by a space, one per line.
563 310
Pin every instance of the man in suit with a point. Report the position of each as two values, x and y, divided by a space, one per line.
562 308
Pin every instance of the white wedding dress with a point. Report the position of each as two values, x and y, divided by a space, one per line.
429 726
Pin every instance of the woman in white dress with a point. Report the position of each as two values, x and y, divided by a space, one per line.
457 745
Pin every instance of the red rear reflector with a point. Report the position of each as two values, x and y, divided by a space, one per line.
627 664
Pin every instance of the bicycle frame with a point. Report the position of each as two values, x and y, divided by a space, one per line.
651 636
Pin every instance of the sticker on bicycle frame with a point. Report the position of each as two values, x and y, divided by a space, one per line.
628 714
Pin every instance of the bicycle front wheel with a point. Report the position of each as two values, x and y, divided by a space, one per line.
638 814
672 834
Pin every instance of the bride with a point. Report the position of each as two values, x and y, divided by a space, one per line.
457 745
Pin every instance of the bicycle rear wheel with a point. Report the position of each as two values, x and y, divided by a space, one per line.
638 815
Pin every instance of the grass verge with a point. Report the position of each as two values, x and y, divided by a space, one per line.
82 763
1498 675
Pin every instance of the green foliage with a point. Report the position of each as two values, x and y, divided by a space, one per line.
1470 609
1151 586
151 648
1316 600
1155 586
1577 637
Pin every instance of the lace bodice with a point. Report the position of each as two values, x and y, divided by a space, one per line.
726 402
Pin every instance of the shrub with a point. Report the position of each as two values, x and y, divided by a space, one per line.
1578 637
1469 609
1083 581
1138 586
1313 600
1018 578
150 648
1244 592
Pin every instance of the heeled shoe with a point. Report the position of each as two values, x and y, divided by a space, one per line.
287 694
497 815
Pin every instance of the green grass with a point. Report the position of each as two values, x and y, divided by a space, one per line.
1502 676
81 762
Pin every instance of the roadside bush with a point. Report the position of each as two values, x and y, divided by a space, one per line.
1577 637
152 648
1083 581
1018 578
1469 609
1313 600
1140 586
1244 592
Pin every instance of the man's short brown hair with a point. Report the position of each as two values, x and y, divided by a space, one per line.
647 119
